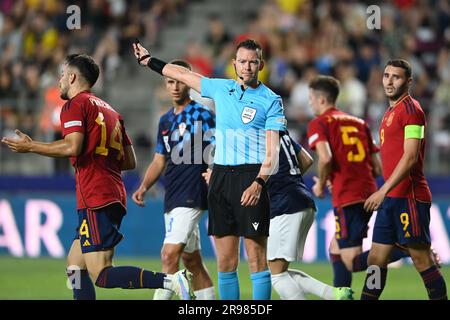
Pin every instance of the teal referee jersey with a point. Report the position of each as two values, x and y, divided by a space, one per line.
242 118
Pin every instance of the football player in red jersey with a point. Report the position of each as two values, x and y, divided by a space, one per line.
404 200
95 139
347 158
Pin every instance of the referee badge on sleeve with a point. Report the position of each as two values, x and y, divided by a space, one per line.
248 114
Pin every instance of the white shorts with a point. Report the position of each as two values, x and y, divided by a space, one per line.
287 235
182 227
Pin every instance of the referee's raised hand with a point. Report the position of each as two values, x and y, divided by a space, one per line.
142 55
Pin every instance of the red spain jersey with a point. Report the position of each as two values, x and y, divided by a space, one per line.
98 167
352 147
404 113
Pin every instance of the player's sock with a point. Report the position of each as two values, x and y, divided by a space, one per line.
312 285
83 288
205 294
374 287
435 284
163 294
130 278
228 283
286 287
262 285
342 277
360 261
398 254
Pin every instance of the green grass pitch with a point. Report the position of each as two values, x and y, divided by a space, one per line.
45 278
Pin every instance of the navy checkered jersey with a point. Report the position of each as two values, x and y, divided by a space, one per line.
186 141
287 190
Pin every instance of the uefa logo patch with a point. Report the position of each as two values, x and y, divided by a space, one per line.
182 128
248 114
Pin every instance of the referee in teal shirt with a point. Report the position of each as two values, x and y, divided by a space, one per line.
249 117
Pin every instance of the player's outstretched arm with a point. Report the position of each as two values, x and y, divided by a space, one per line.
176 72
70 146
129 162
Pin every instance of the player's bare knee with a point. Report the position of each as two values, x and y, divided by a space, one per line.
169 257
422 261
374 260
192 261
257 262
94 273
226 263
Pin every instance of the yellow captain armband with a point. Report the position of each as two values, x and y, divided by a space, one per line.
414 132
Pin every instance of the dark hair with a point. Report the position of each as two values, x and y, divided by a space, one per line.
87 67
182 63
328 85
400 63
250 45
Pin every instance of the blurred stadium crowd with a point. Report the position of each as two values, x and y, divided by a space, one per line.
301 38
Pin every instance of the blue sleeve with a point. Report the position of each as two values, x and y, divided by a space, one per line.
209 124
209 120
160 148
209 86
275 119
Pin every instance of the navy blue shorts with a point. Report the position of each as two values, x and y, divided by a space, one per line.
351 225
98 230
403 221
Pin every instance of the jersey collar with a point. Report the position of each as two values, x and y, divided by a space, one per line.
84 91
329 110
398 102
185 109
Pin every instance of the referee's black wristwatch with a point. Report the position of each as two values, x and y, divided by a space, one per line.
260 181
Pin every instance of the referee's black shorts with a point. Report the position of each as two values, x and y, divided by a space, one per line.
226 214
